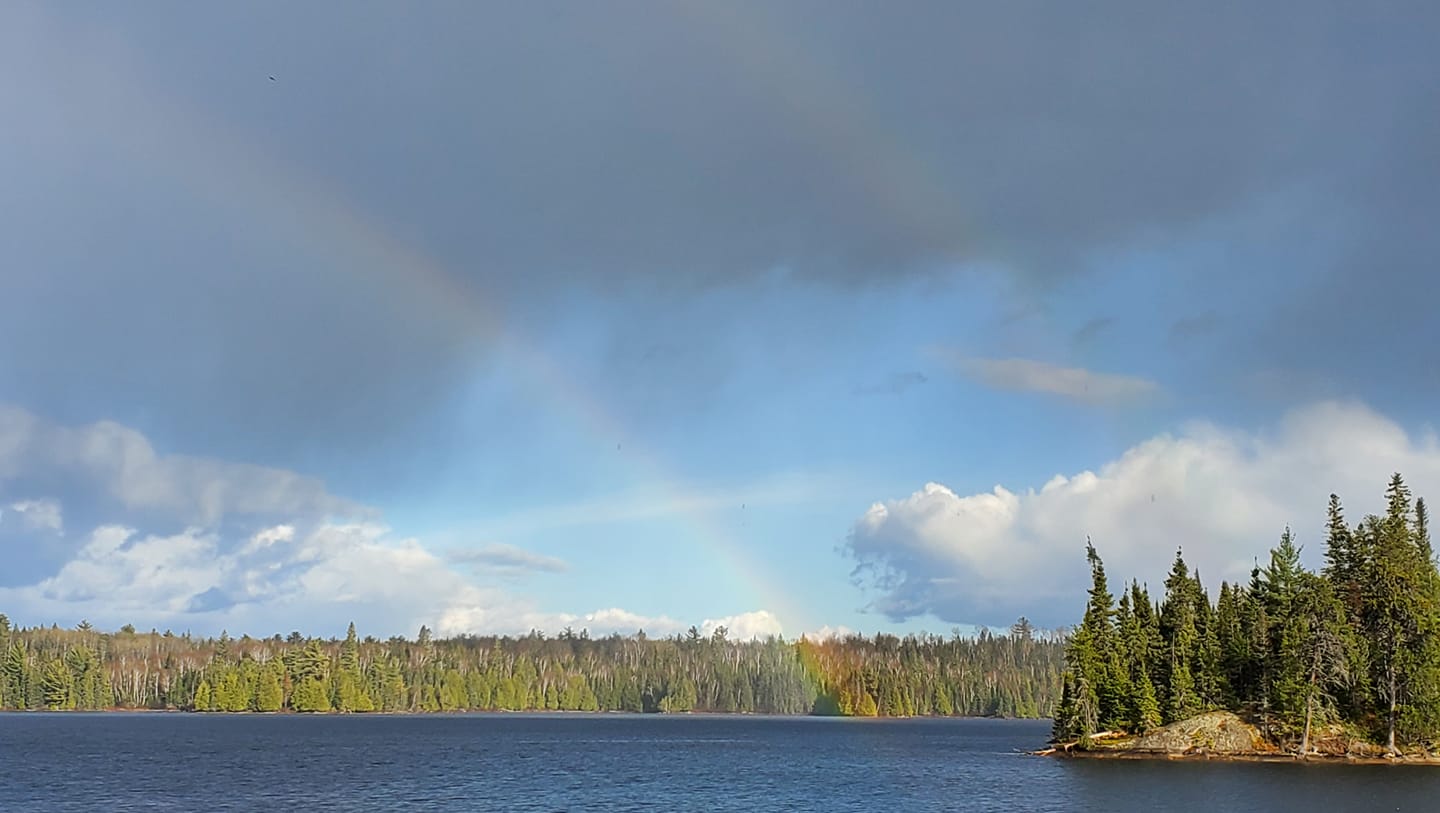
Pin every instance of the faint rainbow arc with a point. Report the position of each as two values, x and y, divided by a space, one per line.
335 224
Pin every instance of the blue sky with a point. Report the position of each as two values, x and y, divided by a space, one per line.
623 315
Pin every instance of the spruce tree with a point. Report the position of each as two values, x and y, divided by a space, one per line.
1177 626
202 697
1286 665
1066 725
15 672
57 684
1100 665
1233 643
1325 640
1141 707
1092 662
1421 530
270 692
1400 608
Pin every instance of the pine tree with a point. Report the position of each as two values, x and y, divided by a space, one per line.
1147 616
14 673
1142 709
202 697
1286 665
1341 565
349 682
1066 725
270 691
867 706
1421 530
57 684
1399 615
310 695
1325 639
1235 657
1093 656
1177 627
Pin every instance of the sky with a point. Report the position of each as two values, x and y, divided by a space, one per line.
789 318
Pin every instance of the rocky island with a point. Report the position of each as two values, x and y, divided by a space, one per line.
1225 736
1341 665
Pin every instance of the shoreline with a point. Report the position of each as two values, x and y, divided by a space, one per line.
1205 756
503 712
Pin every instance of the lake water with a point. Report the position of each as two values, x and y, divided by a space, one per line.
181 762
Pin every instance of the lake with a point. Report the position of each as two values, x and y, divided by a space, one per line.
561 762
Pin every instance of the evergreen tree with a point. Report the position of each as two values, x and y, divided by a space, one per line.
310 695
1142 708
202 697
1234 644
1421 530
15 672
270 692
1400 608
1211 688
1177 627
58 685
1286 664
351 694
1325 639
1066 725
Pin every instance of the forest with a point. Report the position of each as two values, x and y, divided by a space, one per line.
1016 674
1355 645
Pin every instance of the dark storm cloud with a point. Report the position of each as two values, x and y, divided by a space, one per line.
531 148
675 141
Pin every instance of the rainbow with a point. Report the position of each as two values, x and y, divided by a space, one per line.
233 174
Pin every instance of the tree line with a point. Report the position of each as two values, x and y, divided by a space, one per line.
1357 644
1012 674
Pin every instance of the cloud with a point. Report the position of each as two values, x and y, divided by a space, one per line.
37 515
115 462
751 626
311 559
894 384
509 557
625 622
1223 495
152 574
1074 383
828 632
754 625
321 580
769 141
1091 330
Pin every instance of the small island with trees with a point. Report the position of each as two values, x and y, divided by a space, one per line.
1343 664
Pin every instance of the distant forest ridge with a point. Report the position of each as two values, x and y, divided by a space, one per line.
1016 674
1353 650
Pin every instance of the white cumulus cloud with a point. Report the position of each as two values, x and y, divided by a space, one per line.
828 632
756 625
123 572
36 515
1223 495
120 463
261 550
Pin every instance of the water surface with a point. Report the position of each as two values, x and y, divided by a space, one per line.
561 762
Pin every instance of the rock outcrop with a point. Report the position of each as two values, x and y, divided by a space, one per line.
1218 732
